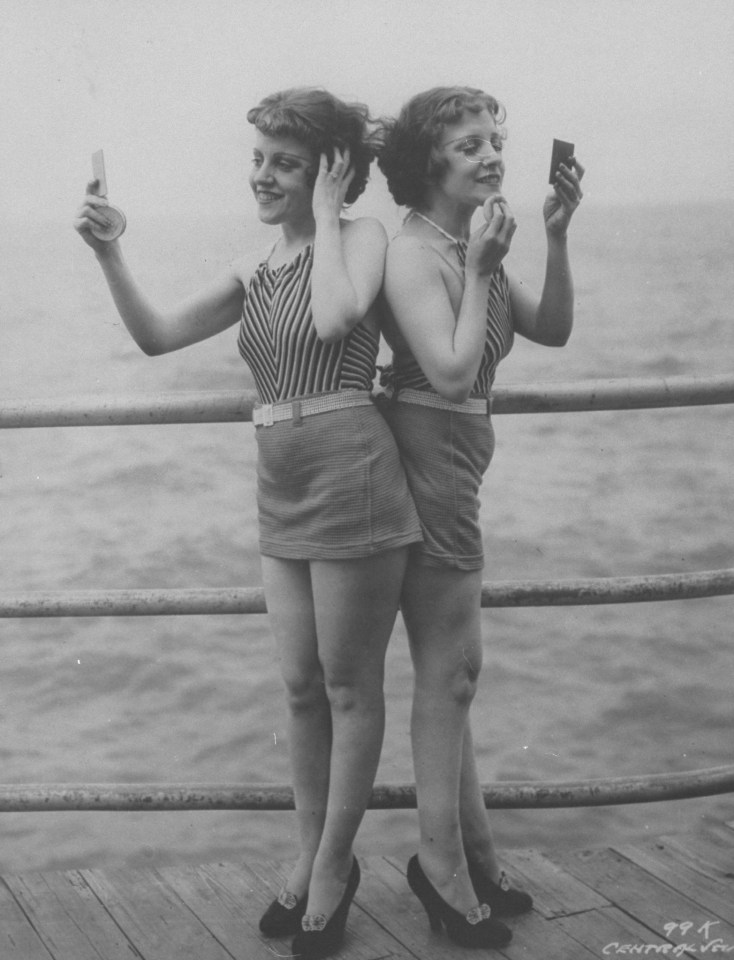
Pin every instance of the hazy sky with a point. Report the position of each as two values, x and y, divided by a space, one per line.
645 88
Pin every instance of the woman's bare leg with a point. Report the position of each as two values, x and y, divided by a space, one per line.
476 834
441 608
355 603
290 606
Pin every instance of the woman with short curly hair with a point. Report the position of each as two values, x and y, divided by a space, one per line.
452 313
335 514
321 122
407 154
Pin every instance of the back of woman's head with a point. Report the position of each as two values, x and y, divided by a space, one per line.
407 142
321 122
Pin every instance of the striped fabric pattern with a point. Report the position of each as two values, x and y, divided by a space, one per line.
500 335
278 340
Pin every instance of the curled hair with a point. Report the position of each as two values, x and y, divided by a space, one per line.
407 142
321 122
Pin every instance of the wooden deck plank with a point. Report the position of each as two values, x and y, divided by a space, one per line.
662 861
18 939
607 930
710 851
555 892
231 916
588 904
533 936
636 892
155 920
68 918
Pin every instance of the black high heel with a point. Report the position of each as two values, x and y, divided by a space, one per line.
504 900
476 929
283 916
320 937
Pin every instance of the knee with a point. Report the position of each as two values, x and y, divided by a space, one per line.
462 685
343 697
305 691
347 695
455 680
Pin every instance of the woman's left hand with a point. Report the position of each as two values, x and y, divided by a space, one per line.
332 184
566 196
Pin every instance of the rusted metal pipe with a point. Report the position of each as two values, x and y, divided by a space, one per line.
634 393
241 600
132 603
227 406
610 791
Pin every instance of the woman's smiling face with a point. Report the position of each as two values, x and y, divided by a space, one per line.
470 152
282 179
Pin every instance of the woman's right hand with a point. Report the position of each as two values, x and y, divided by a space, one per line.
92 212
489 245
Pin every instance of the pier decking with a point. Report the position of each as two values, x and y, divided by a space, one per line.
669 896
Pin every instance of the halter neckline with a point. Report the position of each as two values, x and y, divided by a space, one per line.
286 263
445 233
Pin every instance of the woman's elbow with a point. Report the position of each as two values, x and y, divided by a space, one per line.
335 329
455 394
153 347
559 337
331 334
552 329
454 390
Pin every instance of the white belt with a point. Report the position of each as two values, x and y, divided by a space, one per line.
423 398
266 414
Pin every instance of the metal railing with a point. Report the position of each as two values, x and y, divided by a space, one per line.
228 406
210 406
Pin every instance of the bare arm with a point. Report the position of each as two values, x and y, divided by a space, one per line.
549 320
348 258
200 316
447 343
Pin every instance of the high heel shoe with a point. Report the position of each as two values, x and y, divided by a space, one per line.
283 916
320 937
476 929
504 900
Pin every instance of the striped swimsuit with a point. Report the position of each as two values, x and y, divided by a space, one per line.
279 342
407 374
446 452
330 486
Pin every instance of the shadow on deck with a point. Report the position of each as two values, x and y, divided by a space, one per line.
670 896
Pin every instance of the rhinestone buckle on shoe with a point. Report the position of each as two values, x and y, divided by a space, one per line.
477 914
313 922
288 900
504 882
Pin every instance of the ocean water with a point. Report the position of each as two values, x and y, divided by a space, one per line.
566 693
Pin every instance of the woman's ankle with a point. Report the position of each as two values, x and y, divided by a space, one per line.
329 879
482 857
450 879
299 877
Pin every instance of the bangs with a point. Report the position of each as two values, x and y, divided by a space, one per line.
453 107
280 121
322 123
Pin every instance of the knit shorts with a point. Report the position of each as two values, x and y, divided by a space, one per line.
445 454
332 486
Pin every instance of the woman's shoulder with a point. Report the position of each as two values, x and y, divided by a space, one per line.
364 228
409 250
244 267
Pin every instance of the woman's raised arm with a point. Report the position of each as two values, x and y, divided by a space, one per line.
349 257
447 342
204 314
549 320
